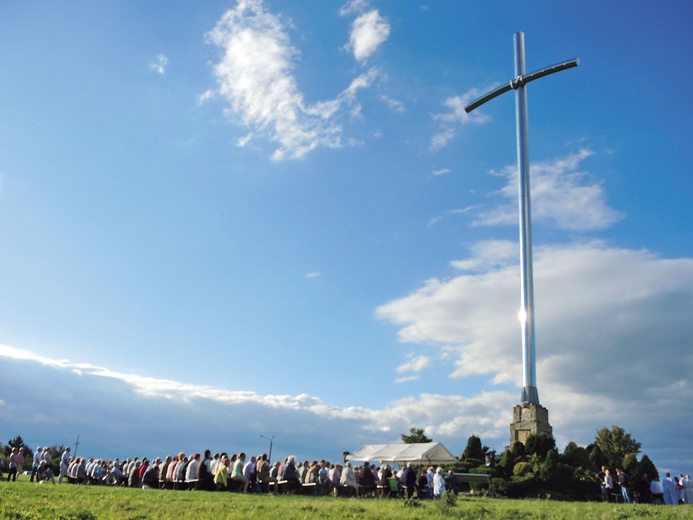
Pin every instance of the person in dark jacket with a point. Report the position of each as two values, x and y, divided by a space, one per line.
409 479
150 477
367 480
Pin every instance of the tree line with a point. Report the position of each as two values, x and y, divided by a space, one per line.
537 468
533 469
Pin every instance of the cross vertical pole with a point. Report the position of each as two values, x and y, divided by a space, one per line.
529 379
530 395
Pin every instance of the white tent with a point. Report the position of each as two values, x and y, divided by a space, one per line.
429 453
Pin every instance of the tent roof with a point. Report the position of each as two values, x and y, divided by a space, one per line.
427 452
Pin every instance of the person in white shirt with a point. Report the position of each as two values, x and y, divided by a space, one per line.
657 491
46 461
64 464
688 490
438 483
37 460
192 469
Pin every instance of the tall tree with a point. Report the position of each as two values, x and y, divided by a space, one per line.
615 444
576 456
474 449
647 466
416 436
540 444
17 442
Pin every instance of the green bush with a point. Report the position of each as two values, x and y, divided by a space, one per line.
521 468
447 502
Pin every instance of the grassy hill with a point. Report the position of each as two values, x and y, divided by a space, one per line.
25 500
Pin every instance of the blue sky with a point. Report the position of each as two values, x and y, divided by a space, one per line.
275 218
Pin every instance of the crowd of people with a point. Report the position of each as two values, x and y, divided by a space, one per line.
240 473
670 491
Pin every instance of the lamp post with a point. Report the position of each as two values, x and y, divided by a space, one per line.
529 381
269 457
490 463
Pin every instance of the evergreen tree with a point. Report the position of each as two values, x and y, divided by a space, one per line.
17 442
474 450
505 464
416 436
575 456
547 469
539 444
597 458
518 450
646 466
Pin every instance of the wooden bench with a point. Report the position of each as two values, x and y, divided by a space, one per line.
309 488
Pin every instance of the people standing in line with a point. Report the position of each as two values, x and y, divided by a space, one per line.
608 485
644 491
438 484
601 476
669 487
409 479
430 473
64 464
623 484
451 482
12 473
679 488
687 490
36 462
20 461
657 491
47 462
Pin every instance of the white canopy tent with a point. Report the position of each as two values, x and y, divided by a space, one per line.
430 453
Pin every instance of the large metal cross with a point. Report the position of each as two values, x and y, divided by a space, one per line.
529 378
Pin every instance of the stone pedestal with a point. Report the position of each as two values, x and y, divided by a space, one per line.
529 419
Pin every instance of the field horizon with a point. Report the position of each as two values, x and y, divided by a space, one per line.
25 500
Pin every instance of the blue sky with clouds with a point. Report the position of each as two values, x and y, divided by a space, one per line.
275 218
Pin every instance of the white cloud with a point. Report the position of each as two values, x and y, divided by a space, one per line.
562 196
456 116
613 327
255 75
354 7
415 364
393 104
368 32
451 212
313 275
60 402
205 96
160 65
406 379
442 171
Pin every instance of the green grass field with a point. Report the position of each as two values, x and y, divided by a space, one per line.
25 500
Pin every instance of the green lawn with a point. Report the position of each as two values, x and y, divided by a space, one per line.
25 500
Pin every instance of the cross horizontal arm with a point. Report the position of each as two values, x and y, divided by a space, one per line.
521 81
